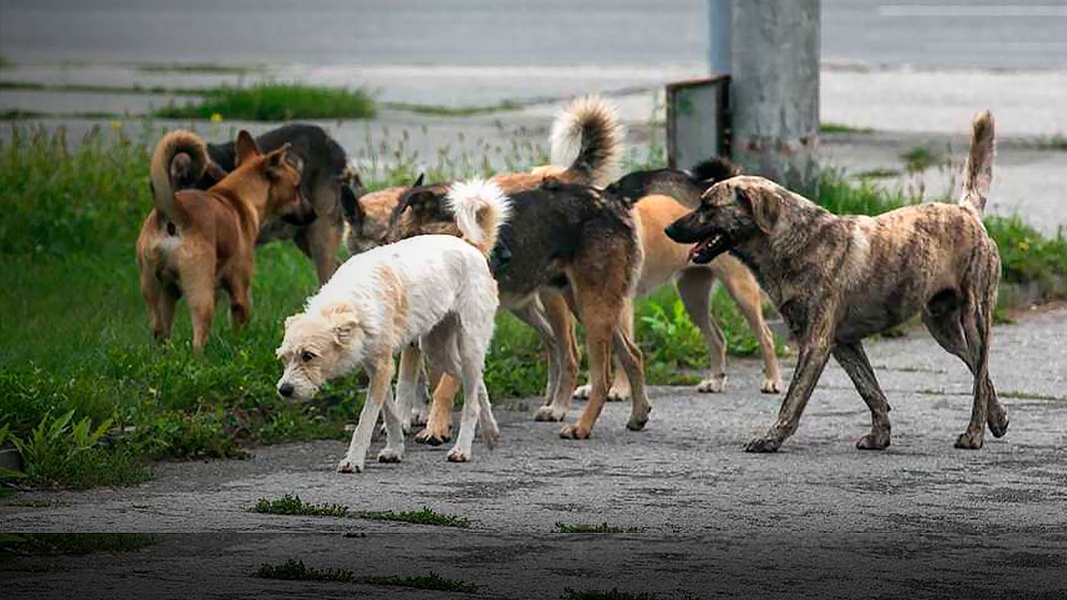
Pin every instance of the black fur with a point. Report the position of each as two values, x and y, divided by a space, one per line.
683 187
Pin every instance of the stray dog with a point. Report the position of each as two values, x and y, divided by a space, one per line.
564 241
662 196
837 280
316 226
588 131
436 290
194 241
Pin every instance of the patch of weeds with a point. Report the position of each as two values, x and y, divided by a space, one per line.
450 111
197 68
1029 396
62 452
296 570
17 114
839 128
423 516
293 505
602 528
5 63
432 581
73 544
276 102
920 158
879 173
1051 142
612 594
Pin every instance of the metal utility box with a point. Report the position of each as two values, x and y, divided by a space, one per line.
697 120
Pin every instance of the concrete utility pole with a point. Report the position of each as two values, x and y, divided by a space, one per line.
774 90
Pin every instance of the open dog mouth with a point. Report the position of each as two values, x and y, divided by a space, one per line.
705 251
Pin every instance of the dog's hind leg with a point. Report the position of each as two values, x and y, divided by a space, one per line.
694 288
854 361
160 302
199 288
633 364
487 423
473 332
439 347
599 313
407 385
321 240
533 314
742 286
438 428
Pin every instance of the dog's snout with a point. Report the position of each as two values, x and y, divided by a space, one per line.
286 390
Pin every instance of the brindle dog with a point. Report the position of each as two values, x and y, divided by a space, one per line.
837 280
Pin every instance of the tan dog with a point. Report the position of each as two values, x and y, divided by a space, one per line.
194 241
837 280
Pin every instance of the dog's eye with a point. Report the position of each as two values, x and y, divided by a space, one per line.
306 356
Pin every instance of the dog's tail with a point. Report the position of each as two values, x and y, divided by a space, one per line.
978 174
178 161
716 168
587 136
481 209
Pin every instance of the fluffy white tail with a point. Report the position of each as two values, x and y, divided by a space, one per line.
978 174
481 209
179 156
587 136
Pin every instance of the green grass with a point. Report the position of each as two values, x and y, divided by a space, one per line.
879 173
72 544
1051 142
423 516
612 594
197 68
830 128
920 158
5 63
101 89
449 111
602 528
296 570
293 505
276 102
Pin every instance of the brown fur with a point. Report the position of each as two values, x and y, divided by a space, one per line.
837 280
200 241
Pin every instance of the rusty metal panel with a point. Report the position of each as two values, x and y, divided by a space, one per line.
697 120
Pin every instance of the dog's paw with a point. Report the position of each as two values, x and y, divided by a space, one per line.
712 385
349 466
459 455
998 421
574 432
490 436
550 413
420 416
388 455
638 418
582 392
969 440
763 445
771 386
873 441
618 394
431 438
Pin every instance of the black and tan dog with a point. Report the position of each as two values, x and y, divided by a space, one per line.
562 240
837 280
195 241
661 196
315 226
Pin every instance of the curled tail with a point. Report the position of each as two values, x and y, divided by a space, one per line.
716 168
978 174
179 160
481 209
587 136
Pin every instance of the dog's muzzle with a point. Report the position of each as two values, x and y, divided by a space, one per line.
285 390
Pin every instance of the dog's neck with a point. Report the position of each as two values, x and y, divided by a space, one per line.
247 193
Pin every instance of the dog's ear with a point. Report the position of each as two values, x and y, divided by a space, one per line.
418 182
764 206
351 191
422 202
246 147
343 321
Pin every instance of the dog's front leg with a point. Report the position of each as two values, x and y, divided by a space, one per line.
378 395
810 363
854 361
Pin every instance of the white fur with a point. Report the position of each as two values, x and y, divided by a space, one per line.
436 289
566 138
467 199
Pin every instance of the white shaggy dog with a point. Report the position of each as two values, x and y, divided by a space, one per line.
434 289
